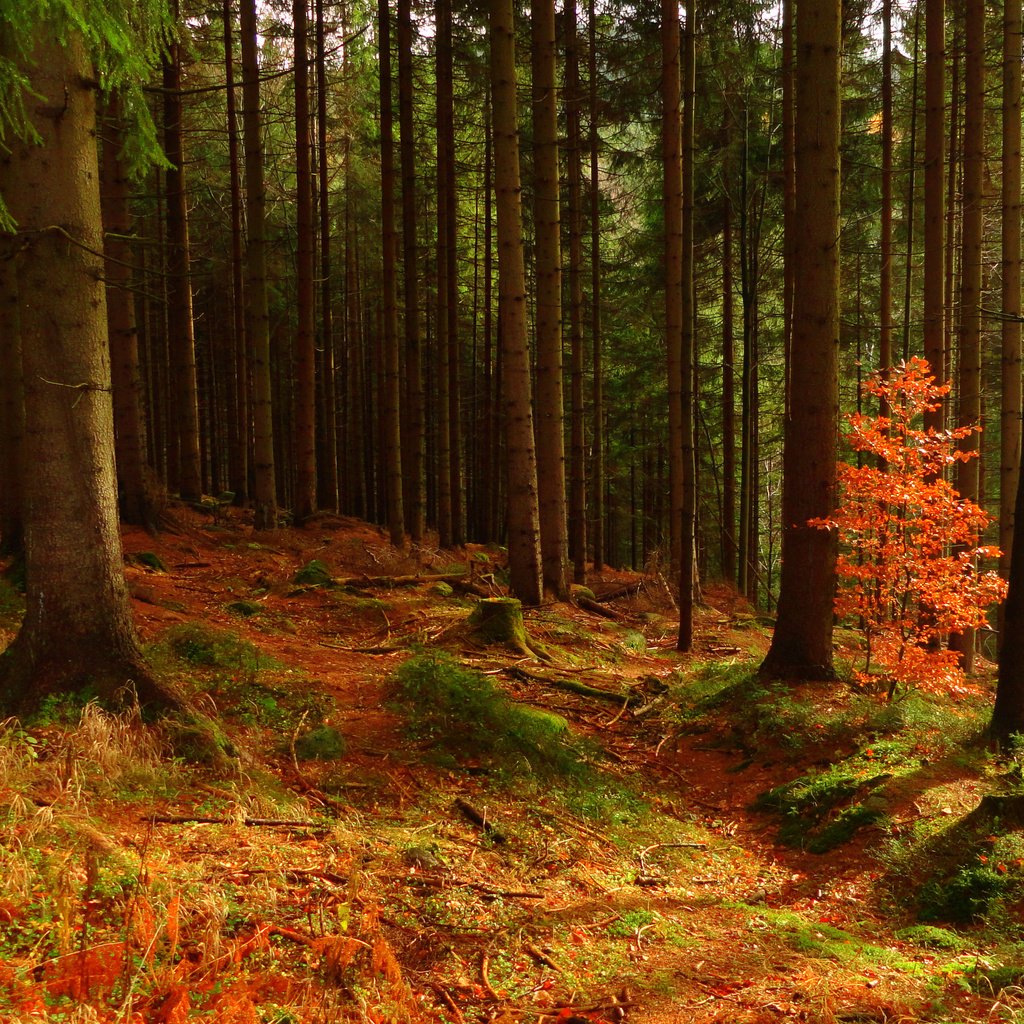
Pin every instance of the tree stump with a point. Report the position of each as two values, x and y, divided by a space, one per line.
499 620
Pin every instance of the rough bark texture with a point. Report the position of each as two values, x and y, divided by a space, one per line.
239 427
12 415
1010 429
181 342
969 377
264 476
390 424
934 224
802 641
577 538
672 197
305 338
77 630
688 522
597 474
414 422
548 260
521 458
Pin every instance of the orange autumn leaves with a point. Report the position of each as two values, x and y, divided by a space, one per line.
910 565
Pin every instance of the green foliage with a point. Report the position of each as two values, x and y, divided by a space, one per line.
931 937
463 713
244 609
150 560
324 743
965 897
124 39
313 574
204 646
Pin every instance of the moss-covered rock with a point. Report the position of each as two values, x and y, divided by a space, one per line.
324 743
313 574
244 609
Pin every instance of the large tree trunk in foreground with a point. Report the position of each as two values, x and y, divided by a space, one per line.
521 456
77 630
802 642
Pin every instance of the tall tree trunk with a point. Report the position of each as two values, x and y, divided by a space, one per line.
597 430
77 629
181 336
521 457
414 426
672 194
390 382
455 471
885 230
577 538
1010 409
238 434
802 642
138 497
728 539
258 324
789 270
305 336
969 382
934 225
327 470
687 526
444 113
550 419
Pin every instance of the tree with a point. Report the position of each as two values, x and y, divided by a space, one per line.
305 336
802 642
391 380
550 417
896 521
77 631
264 476
521 456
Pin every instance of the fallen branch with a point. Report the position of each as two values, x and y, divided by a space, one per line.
188 819
598 609
572 686
614 595
479 819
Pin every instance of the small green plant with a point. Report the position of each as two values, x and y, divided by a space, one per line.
313 574
965 897
324 743
931 937
202 646
629 923
463 713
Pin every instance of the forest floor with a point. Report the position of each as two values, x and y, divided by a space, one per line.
383 848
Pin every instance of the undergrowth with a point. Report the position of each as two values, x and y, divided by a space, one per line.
463 714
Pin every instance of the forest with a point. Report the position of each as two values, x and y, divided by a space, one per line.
507 512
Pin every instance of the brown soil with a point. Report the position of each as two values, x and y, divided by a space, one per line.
560 919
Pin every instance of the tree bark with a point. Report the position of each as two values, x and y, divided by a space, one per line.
180 328
390 383
577 534
548 258
521 457
688 522
969 378
239 429
672 197
802 642
597 475
12 407
77 631
305 300
1010 414
264 475
414 424
934 224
